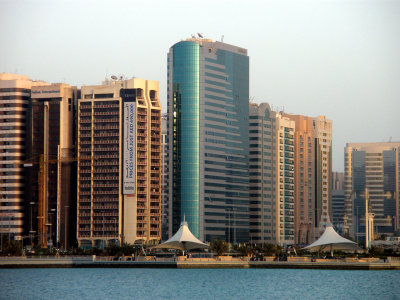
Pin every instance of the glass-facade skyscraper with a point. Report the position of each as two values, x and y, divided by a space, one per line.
372 169
208 94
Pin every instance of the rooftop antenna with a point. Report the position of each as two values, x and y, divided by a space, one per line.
222 38
200 35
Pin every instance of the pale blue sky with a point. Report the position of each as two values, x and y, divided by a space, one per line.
338 58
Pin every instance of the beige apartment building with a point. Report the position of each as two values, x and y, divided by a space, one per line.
313 168
119 163
15 101
271 165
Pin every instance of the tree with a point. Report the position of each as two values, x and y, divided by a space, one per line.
219 246
268 249
244 250
12 248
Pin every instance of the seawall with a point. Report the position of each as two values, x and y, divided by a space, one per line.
88 262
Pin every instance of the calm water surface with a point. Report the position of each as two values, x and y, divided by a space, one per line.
197 284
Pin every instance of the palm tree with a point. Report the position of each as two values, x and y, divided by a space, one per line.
219 246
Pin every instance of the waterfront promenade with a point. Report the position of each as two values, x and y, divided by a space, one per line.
392 263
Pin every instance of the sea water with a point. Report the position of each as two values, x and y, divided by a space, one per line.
197 284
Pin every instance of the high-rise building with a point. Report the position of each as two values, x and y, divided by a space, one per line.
52 145
262 165
15 105
271 164
372 187
313 143
119 163
208 96
284 179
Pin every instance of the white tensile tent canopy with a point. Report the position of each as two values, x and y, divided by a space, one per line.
182 240
332 241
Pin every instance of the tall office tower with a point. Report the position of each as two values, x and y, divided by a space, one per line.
54 186
208 105
119 163
372 172
15 95
262 169
164 179
313 142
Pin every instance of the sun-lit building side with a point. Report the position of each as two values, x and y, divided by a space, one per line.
119 163
208 94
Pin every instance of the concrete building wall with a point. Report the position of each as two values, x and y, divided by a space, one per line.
284 178
105 212
262 161
313 142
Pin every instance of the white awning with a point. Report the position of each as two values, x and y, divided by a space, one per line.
330 240
182 240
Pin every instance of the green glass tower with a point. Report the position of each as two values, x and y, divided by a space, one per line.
208 92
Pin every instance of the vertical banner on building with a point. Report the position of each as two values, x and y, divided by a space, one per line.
129 141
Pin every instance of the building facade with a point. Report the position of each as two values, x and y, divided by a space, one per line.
338 203
52 152
262 164
284 180
372 187
271 164
119 163
15 107
208 94
313 176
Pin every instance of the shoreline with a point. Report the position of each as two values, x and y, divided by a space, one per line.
19 263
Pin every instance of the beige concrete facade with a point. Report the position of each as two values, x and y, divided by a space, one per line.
106 211
271 189
313 168
284 178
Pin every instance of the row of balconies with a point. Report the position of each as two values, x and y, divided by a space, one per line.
106 113
106 105
109 149
108 141
108 127
98 120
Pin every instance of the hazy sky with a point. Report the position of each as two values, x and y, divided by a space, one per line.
340 59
